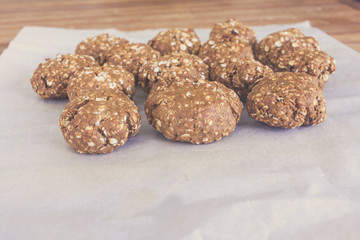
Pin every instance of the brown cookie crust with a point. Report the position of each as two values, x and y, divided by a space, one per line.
131 56
287 100
194 112
98 45
316 63
233 31
176 40
51 78
171 68
241 75
264 50
100 122
101 78
211 50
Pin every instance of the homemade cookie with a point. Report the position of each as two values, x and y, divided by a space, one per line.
131 56
98 45
171 67
265 50
211 50
101 78
239 74
316 63
193 112
233 31
176 40
100 122
287 100
50 79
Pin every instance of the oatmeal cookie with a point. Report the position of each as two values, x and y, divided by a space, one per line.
264 50
100 122
241 75
233 31
316 63
211 50
50 79
176 40
194 112
98 45
131 56
101 78
287 100
171 67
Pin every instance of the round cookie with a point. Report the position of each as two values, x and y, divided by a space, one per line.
264 50
287 100
233 31
98 45
51 78
176 40
194 112
101 78
241 75
100 122
171 67
131 56
316 63
211 50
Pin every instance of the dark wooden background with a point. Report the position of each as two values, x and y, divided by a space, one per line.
341 19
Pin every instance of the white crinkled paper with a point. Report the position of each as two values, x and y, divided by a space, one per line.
257 183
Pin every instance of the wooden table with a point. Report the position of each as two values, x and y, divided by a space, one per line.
341 19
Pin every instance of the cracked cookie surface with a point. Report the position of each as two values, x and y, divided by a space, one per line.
287 100
193 112
211 51
101 78
316 63
169 68
100 122
98 45
239 74
131 56
50 79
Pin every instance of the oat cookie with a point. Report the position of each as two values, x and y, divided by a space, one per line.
176 40
100 122
131 56
101 78
50 79
287 100
241 75
171 67
264 50
98 45
194 112
233 31
316 63
211 50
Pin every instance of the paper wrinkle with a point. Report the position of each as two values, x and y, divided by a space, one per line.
257 183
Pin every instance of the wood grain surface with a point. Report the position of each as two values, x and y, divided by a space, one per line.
340 19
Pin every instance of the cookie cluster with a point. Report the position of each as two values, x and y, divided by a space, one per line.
196 91
100 115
